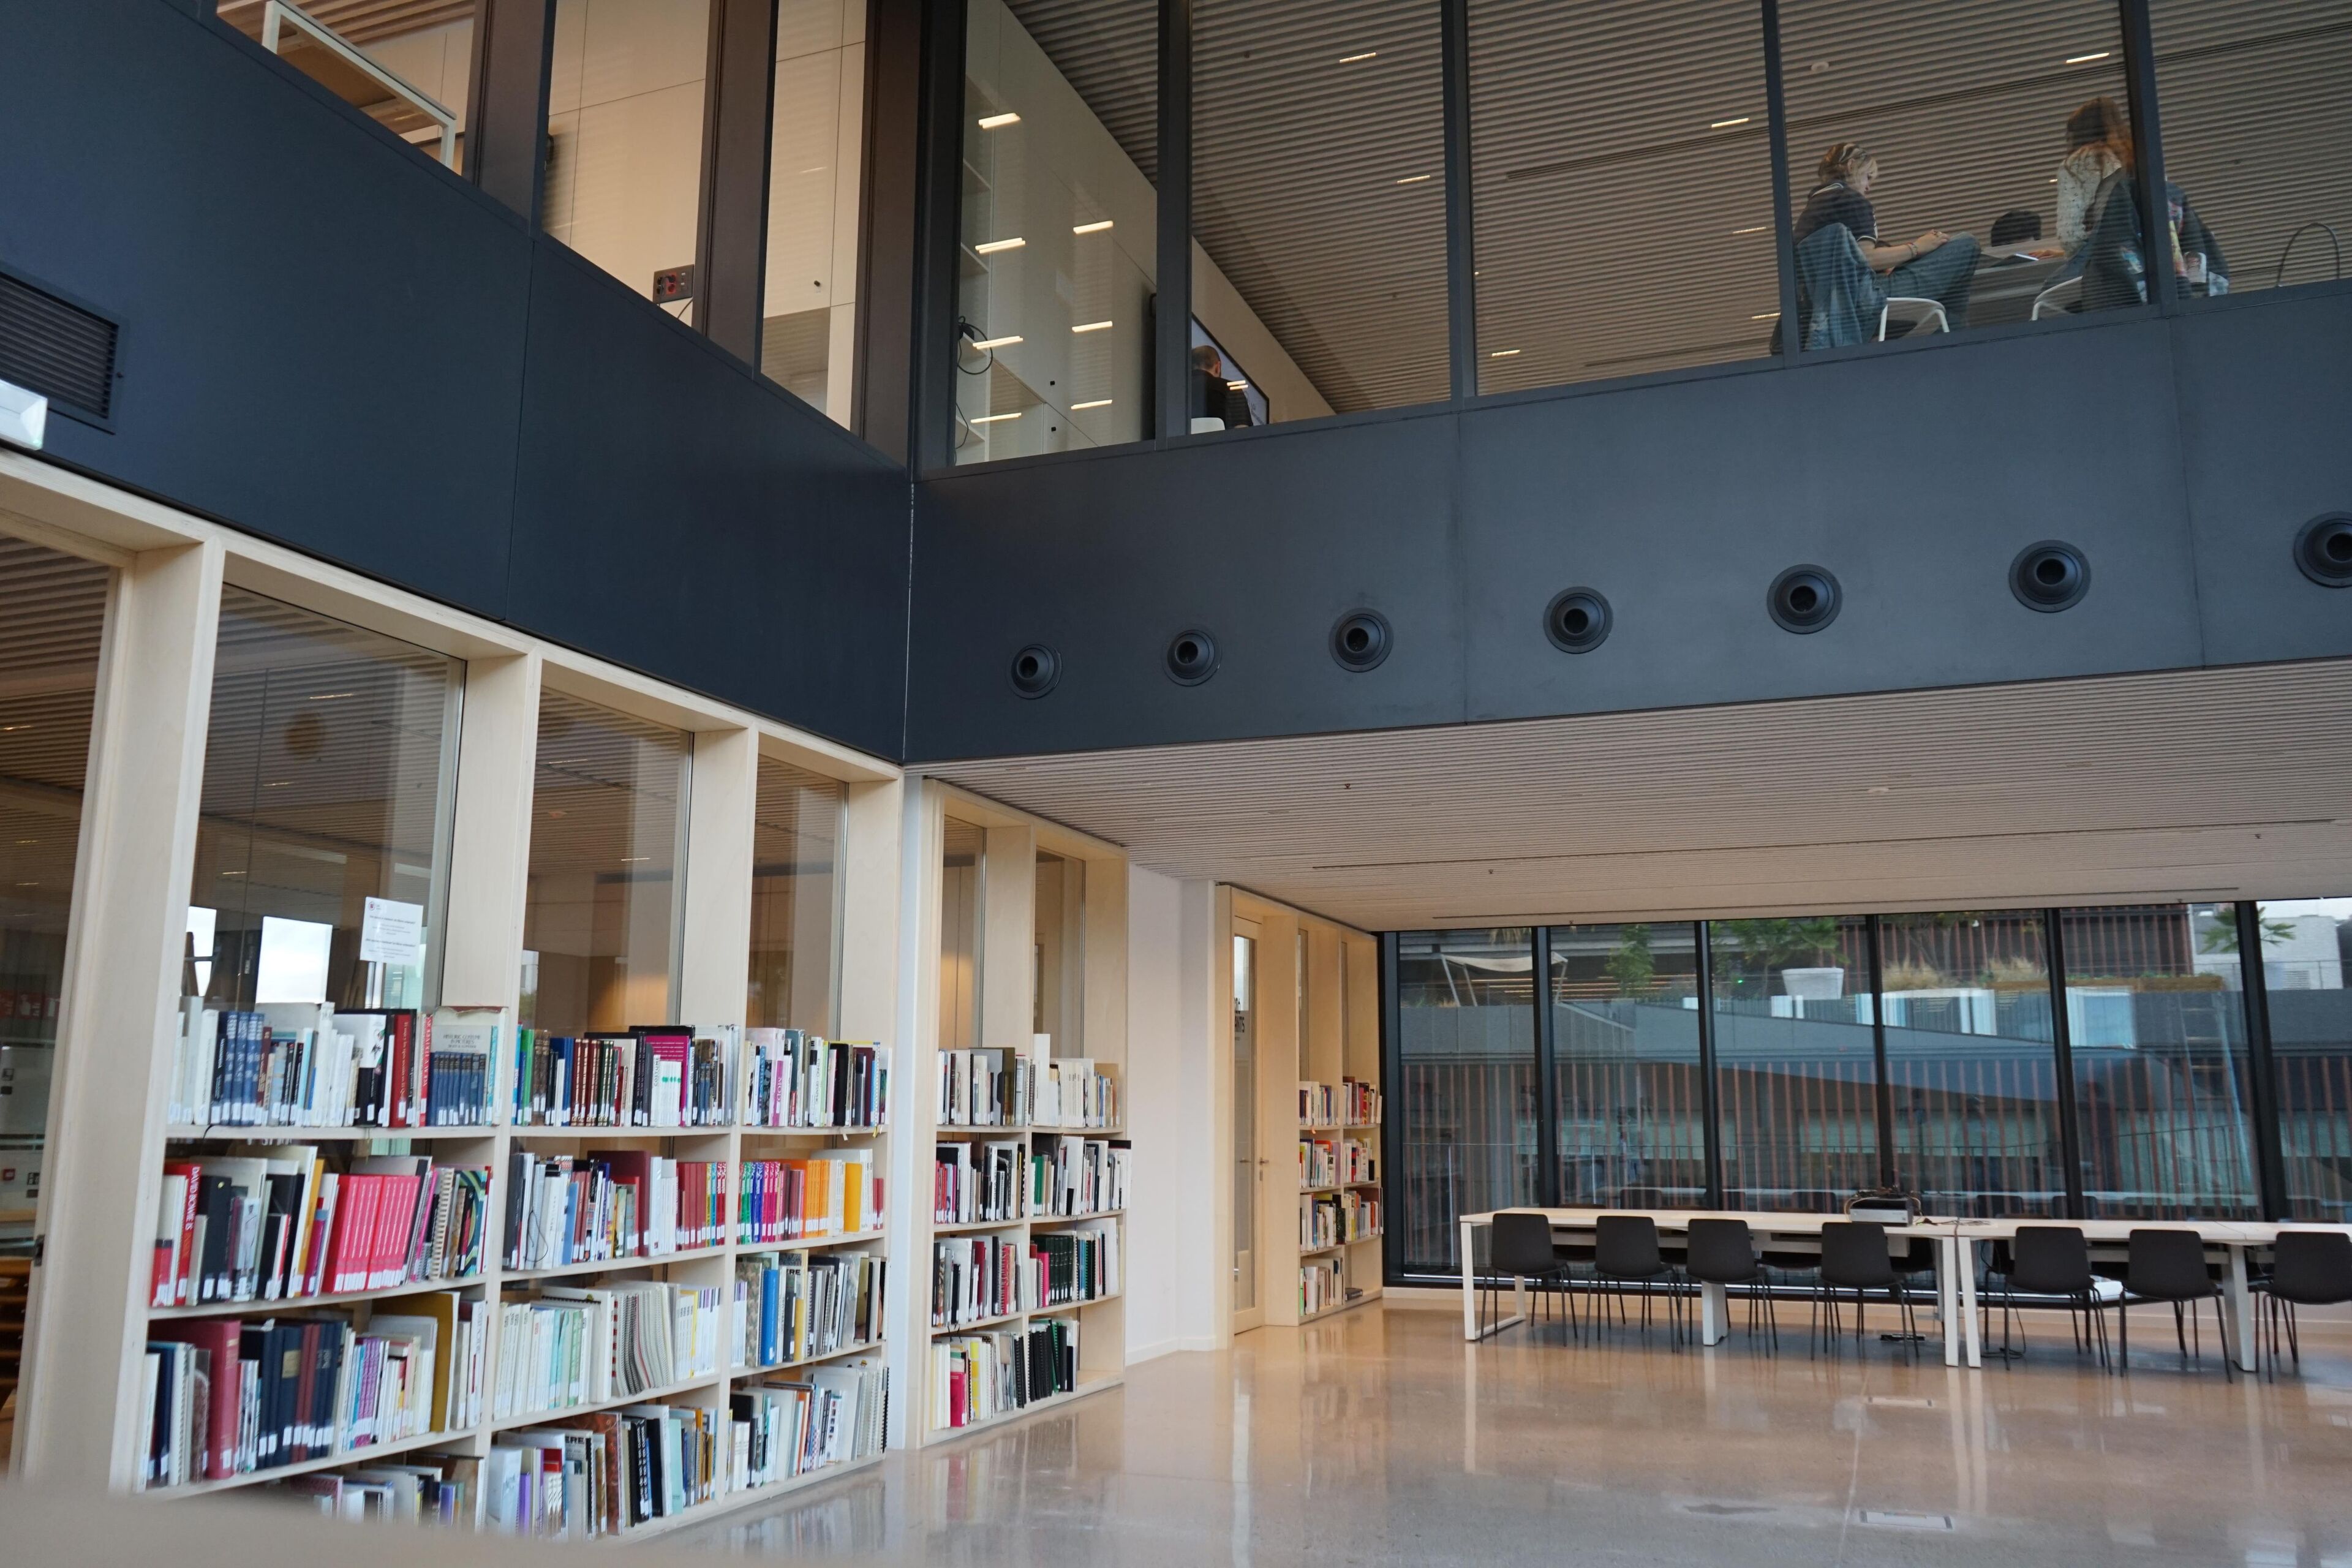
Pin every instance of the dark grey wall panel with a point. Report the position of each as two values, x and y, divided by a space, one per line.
322 335
1263 541
2265 398
676 513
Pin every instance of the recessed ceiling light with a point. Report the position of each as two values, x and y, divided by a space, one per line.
998 342
998 122
2086 59
1506 353
994 418
1094 228
1415 179
1091 402
1352 59
1092 327
1766 316
1728 124
990 247
1760 228
1238 385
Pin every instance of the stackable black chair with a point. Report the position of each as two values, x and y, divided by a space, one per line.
2309 1269
1625 1253
2054 1260
1521 1246
1855 1258
1723 1252
2169 1266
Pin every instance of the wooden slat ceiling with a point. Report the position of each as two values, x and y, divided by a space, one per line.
2205 782
48 674
358 21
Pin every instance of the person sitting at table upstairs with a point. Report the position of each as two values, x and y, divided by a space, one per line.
1935 265
2098 144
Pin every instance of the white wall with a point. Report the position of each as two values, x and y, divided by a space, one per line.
1171 1198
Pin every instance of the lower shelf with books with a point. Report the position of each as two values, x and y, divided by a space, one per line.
751 1496
368 1455
1086 1384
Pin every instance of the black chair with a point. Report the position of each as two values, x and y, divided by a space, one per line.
1625 1252
1723 1252
1520 1247
2309 1269
1855 1258
2169 1266
2054 1260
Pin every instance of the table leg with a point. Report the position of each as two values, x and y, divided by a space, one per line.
1947 1268
1714 1313
2241 1312
1469 1285
1964 1261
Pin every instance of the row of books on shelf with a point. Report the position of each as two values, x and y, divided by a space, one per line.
654 1076
608 1204
572 1346
289 1226
420 1488
1060 1178
1329 1162
1330 1219
1351 1103
313 1064
789 1307
1322 1284
838 1192
224 1397
799 1080
975 1278
998 1088
1359 1162
975 1377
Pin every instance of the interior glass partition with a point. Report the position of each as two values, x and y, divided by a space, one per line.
1629 1104
2156 1025
1058 999
1971 1061
796 832
962 864
2304 943
808 329
1795 1060
1466 1010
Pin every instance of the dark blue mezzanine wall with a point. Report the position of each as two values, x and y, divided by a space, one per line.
329 341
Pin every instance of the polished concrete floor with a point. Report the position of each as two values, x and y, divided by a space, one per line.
1379 1438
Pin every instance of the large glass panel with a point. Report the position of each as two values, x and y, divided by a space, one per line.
1318 196
625 139
607 857
2305 945
2257 138
1624 1022
1795 1060
1970 1062
1058 215
1059 999
1956 165
49 681
1466 1045
330 771
2158 1028
961 863
1653 114
809 332
1245 1161
796 899
408 67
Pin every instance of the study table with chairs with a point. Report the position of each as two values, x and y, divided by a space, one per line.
2086 1266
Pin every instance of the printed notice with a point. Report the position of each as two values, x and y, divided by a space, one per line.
393 932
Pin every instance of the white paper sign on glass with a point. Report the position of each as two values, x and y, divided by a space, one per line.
393 932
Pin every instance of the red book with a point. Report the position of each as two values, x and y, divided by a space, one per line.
181 1284
354 1222
397 1026
420 1028
395 1208
220 1336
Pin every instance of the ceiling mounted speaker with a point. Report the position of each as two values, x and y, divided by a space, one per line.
1036 669
2049 576
1577 620
2324 550
1359 640
1804 599
1192 657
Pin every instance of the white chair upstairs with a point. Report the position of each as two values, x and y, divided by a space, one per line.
1920 315
2063 298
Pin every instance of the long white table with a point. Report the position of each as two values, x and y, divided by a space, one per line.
1956 1274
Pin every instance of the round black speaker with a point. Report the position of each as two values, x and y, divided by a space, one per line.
1577 620
1036 669
1192 657
2049 576
1359 640
1803 599
2324 550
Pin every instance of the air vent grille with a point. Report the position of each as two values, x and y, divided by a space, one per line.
55 348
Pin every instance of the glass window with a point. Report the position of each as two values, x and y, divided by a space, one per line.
1060 971
330 771
1970 1062
607 848
1622 169
796 899
2158 1028
407 68
1795 1061
1956 166
1058 223
49 682
2304 941
809 332
1624 1022
1466 1011
1319 197
2257 139
625 139
962 864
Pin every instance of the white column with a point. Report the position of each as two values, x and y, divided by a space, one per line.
715 936
489 839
